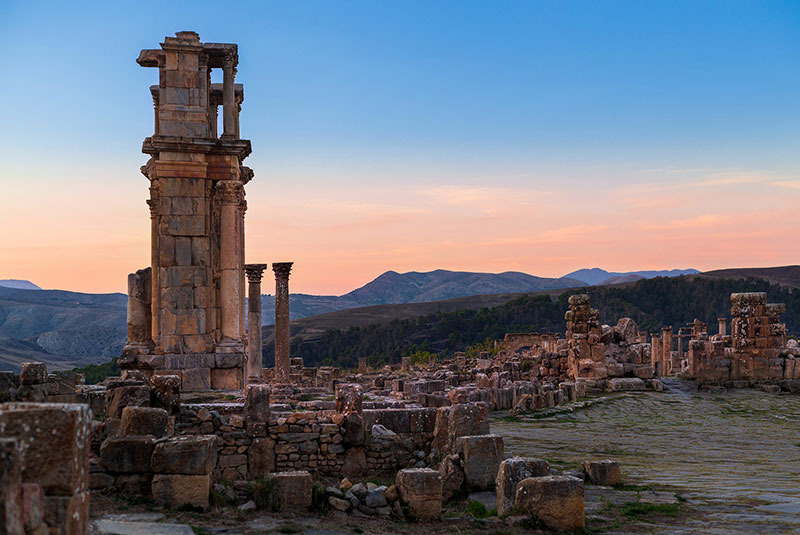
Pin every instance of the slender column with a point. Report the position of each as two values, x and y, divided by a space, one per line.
254 365
243 309
229 194
155 276
155 108
666 352
723 326
655 353
228 98
282 361
214 117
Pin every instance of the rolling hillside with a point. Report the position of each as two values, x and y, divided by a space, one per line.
342 338
788 276
416 287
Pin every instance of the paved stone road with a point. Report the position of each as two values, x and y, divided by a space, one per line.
735 456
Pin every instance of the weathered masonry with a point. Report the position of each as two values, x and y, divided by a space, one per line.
186 312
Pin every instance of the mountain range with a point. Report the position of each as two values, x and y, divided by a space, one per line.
595 276
67 329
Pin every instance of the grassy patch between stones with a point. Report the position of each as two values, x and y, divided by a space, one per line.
479 511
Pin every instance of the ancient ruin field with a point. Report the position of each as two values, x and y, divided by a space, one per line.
732 458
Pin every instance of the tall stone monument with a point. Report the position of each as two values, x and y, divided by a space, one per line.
186 312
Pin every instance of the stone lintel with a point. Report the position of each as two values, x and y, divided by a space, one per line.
156 144
217 52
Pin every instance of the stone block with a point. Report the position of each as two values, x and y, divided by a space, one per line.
143 421
200 256
256 403
349 398
452 477
188 455
166 251
294 491
127 454
229 360
195 379
11 499
555 500
421 489
261 457
459 420
165 392
481 456
126 396
174 490
602 472
150 362
227 378
511 472
33 373
32 507
625 384
67 515
53 439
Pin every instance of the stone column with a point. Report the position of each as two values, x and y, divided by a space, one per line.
655 353
243 305
228 98
139 330
155 106
666 350
229 194
254 366
723 326
155 274
282 361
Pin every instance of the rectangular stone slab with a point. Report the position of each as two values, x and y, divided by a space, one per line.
53 442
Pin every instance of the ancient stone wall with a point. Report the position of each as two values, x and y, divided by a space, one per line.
755 351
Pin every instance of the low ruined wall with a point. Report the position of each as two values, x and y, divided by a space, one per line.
315 441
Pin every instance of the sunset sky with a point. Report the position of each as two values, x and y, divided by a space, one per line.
534 136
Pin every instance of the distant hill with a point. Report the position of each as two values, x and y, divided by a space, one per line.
18 284
63 329
785 275
621 280
341 338
595 276
418 287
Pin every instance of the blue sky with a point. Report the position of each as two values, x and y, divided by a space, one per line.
540 95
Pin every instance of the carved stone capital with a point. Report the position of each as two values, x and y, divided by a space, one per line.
282 269
230 191
254 272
